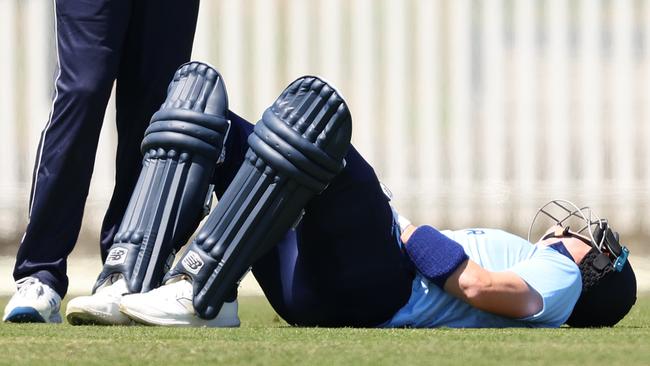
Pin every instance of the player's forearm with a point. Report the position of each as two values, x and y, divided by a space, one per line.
501 293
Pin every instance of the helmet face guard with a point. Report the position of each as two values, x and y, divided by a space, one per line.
592 230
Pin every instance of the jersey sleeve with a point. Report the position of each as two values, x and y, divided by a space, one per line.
557 279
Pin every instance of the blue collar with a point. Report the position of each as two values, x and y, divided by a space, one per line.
560 248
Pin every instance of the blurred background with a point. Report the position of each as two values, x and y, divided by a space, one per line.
474 113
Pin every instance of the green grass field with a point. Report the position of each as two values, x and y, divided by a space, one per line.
264 339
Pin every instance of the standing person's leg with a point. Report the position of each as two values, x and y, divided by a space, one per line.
344 267
88 42
159 40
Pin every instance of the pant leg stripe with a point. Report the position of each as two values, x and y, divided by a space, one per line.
49 121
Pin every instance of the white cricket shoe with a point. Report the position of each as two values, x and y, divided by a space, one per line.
101 308
33 302
171 305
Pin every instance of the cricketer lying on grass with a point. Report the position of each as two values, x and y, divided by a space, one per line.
351 260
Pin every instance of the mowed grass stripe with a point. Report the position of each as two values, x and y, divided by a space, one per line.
264 339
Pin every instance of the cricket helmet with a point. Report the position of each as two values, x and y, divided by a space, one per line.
608 281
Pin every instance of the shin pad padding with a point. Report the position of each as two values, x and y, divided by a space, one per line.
181 148
295 151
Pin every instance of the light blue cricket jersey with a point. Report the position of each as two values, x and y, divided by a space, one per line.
554 276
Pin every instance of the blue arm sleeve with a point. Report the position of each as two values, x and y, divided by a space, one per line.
435 255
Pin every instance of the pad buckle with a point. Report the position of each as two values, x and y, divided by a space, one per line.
222 155
620 261
207 203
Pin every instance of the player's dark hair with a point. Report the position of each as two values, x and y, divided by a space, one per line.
607 295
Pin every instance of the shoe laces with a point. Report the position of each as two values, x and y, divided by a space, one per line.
176 289
114 284
184 294
185 289
30 286
181 287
